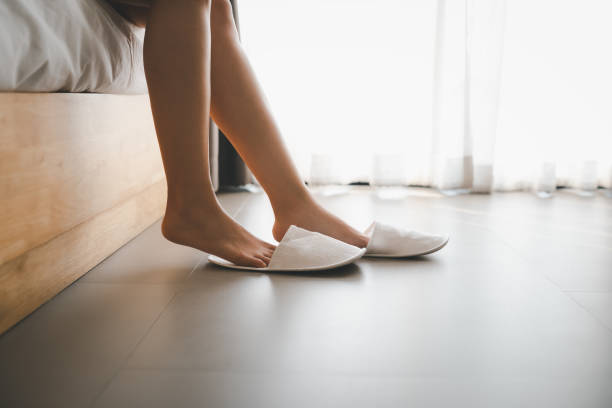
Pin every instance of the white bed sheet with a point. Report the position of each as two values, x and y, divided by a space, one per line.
70 46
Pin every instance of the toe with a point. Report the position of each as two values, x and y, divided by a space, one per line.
259 263
362 241
263 257
248 260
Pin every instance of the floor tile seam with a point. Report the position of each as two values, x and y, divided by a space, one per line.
175 283
340 374
526 260
609 292
597 319
555 284
204 257
133 350
243 204
558 228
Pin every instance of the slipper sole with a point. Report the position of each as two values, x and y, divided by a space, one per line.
431 251
227 264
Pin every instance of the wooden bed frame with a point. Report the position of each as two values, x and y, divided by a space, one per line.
80 175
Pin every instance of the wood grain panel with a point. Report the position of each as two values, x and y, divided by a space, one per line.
33 278
65 158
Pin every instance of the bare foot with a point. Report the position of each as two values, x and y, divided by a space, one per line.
215 232
311 216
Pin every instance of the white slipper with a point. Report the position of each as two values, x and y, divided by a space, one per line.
387 241
301 250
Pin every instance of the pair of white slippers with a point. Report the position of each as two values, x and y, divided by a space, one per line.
301 250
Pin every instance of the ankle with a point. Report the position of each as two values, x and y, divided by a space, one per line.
192 204
184 222
289 203
190 194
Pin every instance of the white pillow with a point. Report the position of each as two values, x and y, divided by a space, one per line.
68 45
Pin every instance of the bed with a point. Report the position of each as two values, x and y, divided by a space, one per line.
80 170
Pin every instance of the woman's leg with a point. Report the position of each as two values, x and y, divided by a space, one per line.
240 109
177 55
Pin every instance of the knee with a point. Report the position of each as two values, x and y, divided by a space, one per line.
221 15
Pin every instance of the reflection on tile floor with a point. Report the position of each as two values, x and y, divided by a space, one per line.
515 311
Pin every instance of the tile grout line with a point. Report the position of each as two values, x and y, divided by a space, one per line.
170 283
131 353
205 255
555 284
597 319
588 291
273 372
243 204
200 261
178 289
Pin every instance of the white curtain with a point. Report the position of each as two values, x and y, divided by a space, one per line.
473 95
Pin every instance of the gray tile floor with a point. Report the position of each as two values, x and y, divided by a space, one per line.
515 312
